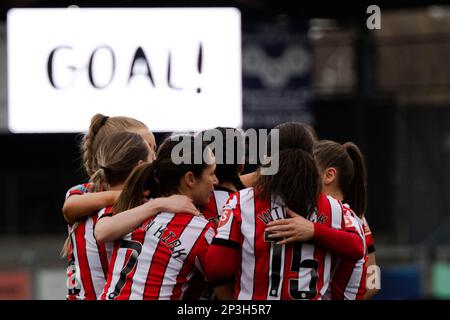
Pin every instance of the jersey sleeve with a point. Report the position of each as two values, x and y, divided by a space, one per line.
340 237
339 242
350 224
105 212
204 243
229 228
222 256
369 237
78 190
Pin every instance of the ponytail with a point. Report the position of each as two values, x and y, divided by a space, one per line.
66 247
297 181
99 180
356 193
87 144
100 128
117 155
349 162
141 180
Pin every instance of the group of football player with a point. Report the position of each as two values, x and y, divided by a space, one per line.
146 226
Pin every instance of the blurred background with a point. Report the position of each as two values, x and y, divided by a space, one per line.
387 90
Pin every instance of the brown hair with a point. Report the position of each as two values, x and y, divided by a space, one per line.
162 176
313 132
297 180
117 155
102 126
349 163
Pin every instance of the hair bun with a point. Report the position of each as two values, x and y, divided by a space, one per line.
104 119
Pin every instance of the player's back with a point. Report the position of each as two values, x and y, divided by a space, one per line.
88 259
199 289
268 271
157 259
349 276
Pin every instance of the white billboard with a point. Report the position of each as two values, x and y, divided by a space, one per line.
175 69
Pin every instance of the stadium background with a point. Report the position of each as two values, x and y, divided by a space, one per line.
387 90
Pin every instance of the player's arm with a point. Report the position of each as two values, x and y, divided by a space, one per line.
223 254
221 263
113 227
80 205
225 291
343 243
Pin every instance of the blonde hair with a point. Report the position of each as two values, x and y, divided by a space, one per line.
117 155
102 126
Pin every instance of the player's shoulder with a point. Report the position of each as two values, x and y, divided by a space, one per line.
350 214
233 200
332 200
192 222
348 211
78 189
200 221
84 187
104 212
166 217
332 209
242 194
239 199
222 191
329 205
203 226
246 193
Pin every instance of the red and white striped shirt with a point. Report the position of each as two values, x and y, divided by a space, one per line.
199 289
348 281
88 259
156 260
268 271
370 243
219 198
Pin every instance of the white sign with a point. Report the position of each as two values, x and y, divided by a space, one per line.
175 69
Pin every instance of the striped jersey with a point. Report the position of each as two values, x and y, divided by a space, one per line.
369 237
199 290
156 260
268 271
88 259
348 280
217 201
